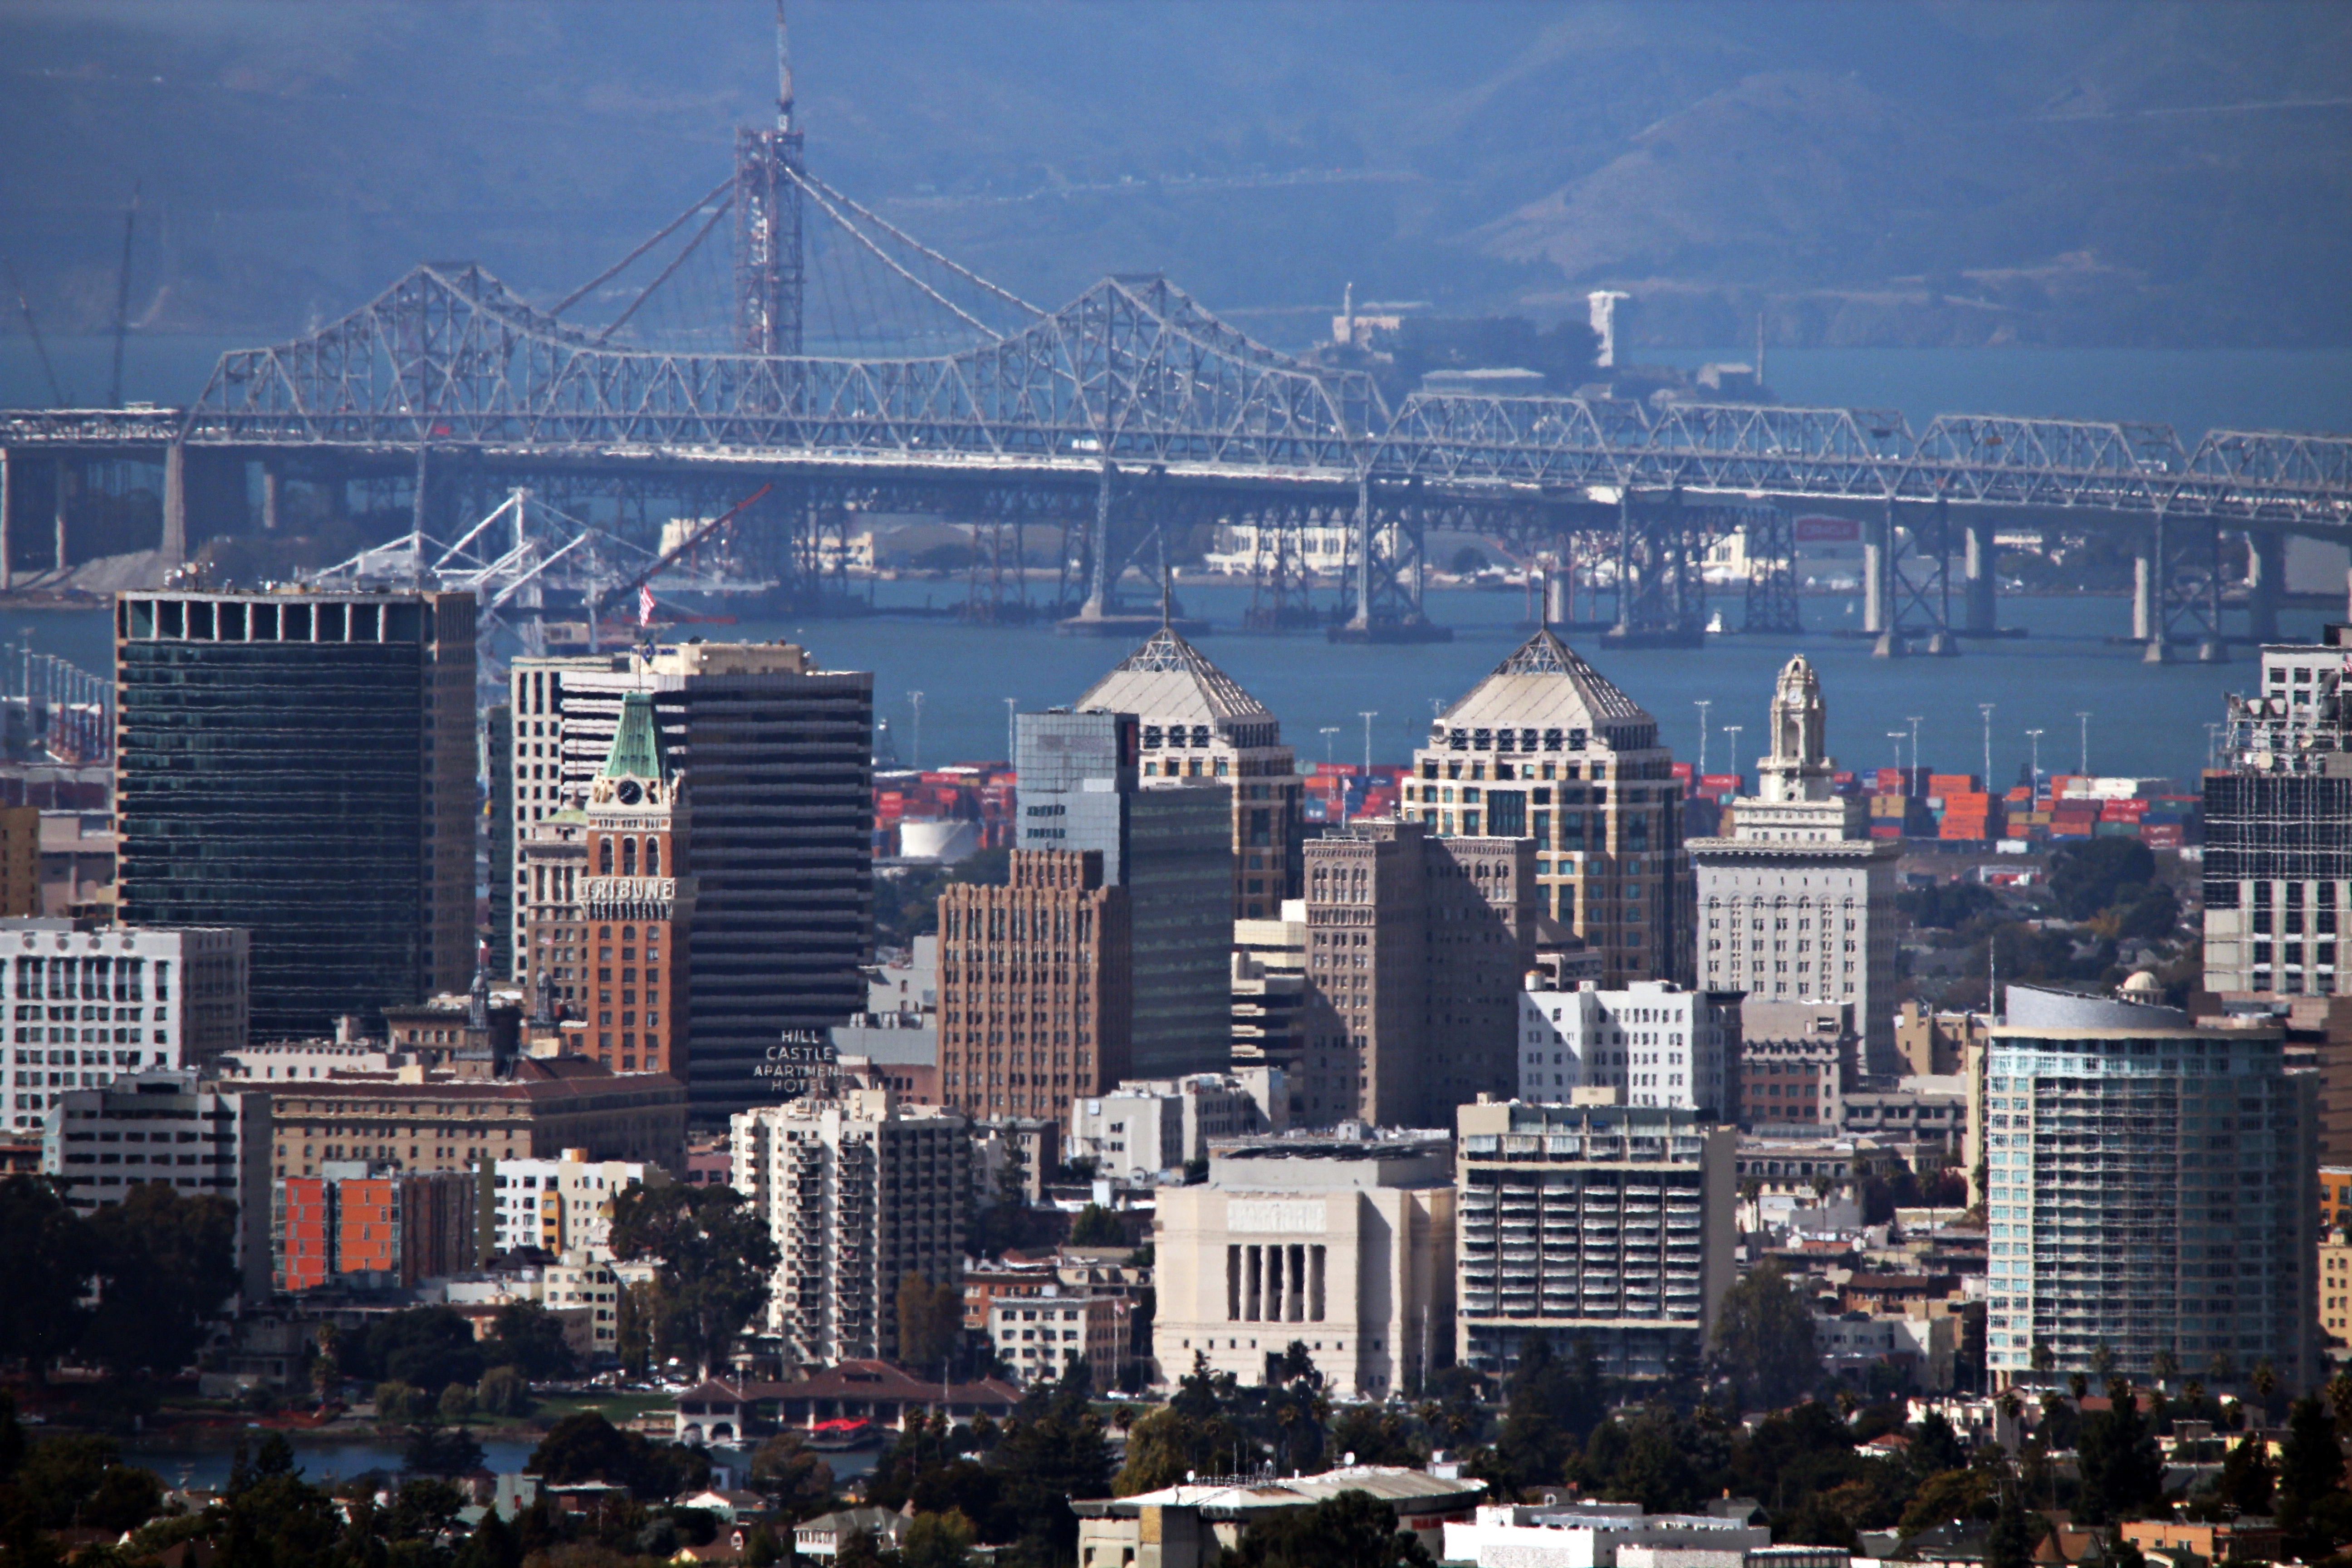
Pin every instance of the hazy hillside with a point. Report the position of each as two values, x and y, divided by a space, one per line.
1881 172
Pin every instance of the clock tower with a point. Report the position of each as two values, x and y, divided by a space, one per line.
638 903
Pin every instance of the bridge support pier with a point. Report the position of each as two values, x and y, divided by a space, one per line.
269 498
1983 616
1362 620
175 504
1099 566
1875 548
2265 582
2147 623
1624 560
65 493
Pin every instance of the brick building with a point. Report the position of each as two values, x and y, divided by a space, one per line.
370 1225
1034 987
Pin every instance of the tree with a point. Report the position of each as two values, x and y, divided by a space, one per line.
930 1321
716 1260
502 1392
1375 1437
2084 878
428 1348
1195 1430
2010 1544
799 1481
1353 1530
457 1404
397 1401
1764 1337
493 1544
436 1450
2248 1483
1096 1227
529 1338
2310 1475
584 1447
2122 1471
938 1541
1936 1447
1052 1450
166 1264
46 1256
1549 1405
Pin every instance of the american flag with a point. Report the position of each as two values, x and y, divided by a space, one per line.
645 606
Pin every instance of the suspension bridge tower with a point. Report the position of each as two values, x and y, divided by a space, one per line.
770 258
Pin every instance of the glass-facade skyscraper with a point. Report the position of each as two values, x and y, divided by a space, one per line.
2152 1188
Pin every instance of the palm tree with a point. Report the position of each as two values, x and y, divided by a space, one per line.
2043 1360
2339 1401
2221 1368
2103 1359
2165 1364
2077 1385
2193 1391
2266 1381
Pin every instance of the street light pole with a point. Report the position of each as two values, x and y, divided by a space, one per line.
1368 715
1733 730
1986 709
1913 781
2035 736
1703 704
2084 762
916 698
1012 730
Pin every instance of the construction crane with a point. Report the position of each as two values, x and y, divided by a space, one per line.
662 562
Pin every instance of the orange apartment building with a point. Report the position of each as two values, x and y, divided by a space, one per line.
374 1226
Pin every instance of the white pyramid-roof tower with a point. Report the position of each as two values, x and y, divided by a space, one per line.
1169 681
1545 685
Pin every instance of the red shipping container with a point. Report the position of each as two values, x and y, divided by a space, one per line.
1886 830
1949 784
2161 835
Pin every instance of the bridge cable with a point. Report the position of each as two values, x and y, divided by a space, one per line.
671 227
891 262
903 237
677 261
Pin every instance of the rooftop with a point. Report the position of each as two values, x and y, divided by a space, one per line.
1169 679
1546 684
1231 1498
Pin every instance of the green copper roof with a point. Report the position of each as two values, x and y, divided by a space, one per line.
636 751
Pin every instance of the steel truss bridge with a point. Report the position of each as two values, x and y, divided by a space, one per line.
1133 414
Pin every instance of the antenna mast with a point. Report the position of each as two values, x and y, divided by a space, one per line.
770 258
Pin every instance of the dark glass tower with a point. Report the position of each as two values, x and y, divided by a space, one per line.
302 765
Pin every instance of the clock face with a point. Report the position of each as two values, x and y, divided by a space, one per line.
630 791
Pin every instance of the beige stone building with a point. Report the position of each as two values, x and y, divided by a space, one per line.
422 1122
1344 1245
1417 945
1547 750
1197 723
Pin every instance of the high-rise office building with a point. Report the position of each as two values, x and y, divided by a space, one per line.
88 1006
2152 1187
301 766
623 907
2278 828
1417 945
1654 1042
776 757
1034 1004
1548 750
1599 1228
860 1192
1798 904
1196 722
1170 849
